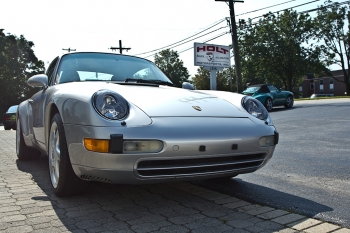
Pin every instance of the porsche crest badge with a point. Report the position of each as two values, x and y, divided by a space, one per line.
197 108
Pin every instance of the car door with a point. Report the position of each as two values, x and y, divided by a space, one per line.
277 94
280 96
38 104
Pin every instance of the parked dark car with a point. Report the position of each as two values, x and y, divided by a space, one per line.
270 95
9 120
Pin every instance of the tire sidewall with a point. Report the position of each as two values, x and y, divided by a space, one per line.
268 108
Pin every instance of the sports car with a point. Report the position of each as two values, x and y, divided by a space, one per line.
270 95
118 119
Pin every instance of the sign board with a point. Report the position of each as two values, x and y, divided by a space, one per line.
212 55
213 68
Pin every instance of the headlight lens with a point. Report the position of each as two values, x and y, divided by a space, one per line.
110 105
255 108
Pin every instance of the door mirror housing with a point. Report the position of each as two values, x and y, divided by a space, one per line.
39 80
188 86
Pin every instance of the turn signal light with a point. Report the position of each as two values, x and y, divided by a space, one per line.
267 141
97 145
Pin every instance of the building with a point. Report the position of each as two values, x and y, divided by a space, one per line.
323 85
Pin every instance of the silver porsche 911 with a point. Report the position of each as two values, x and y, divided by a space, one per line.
118 119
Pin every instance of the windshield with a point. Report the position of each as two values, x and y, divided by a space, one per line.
106 67
12 109
251 89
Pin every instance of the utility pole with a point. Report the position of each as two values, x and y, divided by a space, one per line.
235 43
120 48
69 49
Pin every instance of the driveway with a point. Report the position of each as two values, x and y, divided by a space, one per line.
28 204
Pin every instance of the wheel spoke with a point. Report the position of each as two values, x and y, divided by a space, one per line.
18 138
54 155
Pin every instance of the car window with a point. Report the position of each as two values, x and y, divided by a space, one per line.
93 76
12 109
264 89
146 74
251 89
50 70
272 88
78 67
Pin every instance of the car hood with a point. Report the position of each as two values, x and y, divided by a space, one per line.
164 101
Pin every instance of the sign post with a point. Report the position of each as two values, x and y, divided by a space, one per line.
213 71
213 58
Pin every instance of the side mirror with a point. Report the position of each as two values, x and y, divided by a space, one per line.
39 80
188 86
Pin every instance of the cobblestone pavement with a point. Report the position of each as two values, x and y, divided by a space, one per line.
27 204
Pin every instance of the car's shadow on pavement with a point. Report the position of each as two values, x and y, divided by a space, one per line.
261 195
142 208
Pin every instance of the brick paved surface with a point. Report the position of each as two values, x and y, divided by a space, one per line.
27 204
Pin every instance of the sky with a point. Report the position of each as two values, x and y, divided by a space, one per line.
142 25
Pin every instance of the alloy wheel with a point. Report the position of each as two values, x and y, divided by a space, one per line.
54 155
269 105
18 137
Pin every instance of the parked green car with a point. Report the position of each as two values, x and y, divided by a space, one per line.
270 95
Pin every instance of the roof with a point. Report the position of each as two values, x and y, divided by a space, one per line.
259 85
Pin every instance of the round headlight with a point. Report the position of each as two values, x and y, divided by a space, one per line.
110 105
255 108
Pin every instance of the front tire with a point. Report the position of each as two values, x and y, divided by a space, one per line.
22 150
268 104
289 102
7 127
63 179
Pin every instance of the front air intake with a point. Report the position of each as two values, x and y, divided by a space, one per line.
184 167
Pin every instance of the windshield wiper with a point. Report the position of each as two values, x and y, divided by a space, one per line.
153 81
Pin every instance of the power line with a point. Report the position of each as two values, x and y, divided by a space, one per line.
206 41
315 9
120 48
69 50
215 24
307 11
289 8
218 22
265 8
190 40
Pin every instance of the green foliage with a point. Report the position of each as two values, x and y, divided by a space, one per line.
276 50
169 62
330 29
201 80
17 63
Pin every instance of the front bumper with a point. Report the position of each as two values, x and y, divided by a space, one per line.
231 148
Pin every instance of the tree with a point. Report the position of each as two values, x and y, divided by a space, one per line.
331 31
17 63
275 49
201 80
169 62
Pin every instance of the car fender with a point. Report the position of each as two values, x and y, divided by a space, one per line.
24 115
262 97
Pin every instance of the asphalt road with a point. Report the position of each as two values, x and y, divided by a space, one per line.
310 170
